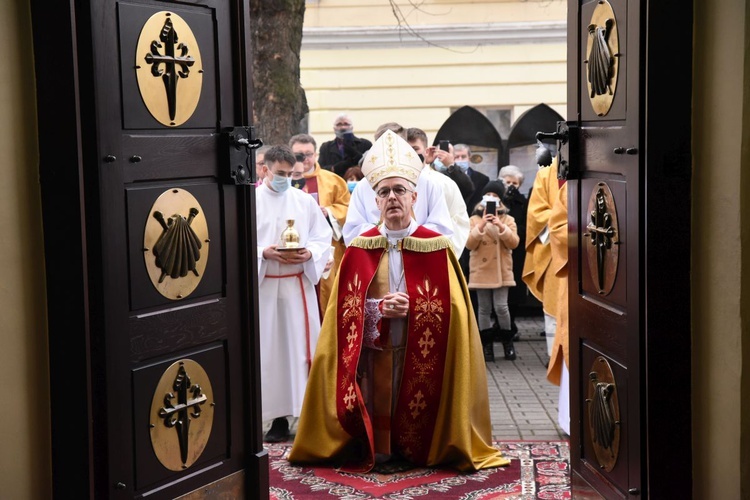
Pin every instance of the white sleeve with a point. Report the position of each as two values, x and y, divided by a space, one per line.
363 213
318 243
434 213
459 216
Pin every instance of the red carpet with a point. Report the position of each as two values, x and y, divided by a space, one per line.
538 470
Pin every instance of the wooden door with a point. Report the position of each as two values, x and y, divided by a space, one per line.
149 236
628 161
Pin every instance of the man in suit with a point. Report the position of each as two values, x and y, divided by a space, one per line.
345 150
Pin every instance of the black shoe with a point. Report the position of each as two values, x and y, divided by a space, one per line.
510 351
489 352
488 347
279 431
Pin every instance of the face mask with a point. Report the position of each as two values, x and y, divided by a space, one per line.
351 185
463 165
299 183
280 183
439 165
487 198
341 131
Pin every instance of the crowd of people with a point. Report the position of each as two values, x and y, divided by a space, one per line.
377 320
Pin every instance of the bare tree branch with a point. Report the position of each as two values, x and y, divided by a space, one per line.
404 25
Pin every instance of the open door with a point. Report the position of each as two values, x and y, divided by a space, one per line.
146 166
626 151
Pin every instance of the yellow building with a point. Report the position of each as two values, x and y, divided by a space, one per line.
416 66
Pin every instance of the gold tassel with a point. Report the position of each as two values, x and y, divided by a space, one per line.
369 242
426 244
422 245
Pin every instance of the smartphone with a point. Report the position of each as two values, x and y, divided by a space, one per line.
444 145
491 208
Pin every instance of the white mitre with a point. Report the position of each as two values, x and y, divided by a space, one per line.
391 156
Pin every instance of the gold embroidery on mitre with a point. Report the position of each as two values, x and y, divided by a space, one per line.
391 156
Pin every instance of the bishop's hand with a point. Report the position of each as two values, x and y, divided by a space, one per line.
395 305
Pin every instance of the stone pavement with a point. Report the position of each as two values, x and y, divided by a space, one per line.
523 404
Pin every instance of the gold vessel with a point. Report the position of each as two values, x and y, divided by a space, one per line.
289 236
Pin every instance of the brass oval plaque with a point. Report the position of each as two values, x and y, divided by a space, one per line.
603 236
168 68
603 54
175 244
182 415
604 414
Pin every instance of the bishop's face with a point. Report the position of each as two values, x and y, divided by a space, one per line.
395 197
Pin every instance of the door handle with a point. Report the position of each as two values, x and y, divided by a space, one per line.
238 146
566 136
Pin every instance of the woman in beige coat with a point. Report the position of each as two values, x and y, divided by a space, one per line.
492 238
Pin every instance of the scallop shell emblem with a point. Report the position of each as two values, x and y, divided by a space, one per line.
176 245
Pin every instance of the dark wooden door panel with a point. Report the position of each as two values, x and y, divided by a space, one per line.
201 18
170 231
622 56
620 297
149 471
604 286
619 475
144 296
172 154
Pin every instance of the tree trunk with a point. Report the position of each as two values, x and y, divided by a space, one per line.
278 100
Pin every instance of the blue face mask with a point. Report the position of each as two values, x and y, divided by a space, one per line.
439 165
351 185
280 183
463 165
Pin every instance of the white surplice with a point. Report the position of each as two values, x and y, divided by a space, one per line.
456 208
289 318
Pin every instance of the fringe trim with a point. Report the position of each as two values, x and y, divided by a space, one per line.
426 244
422 245
369 242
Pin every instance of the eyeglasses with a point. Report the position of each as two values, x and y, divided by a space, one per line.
397 190
306 155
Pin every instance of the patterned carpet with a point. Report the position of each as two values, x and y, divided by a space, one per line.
538 470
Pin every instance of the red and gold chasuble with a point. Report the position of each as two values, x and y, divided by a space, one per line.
441 413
